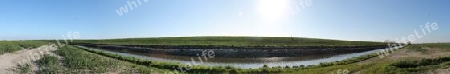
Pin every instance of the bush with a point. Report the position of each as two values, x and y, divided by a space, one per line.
48 65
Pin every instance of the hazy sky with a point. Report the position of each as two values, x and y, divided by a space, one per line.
370 20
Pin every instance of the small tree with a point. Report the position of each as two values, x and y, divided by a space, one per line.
265 66
287 67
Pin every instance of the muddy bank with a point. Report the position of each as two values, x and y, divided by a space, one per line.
236 51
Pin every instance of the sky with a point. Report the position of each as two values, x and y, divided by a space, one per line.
354 20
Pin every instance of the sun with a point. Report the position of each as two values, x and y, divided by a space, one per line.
273 9
274 15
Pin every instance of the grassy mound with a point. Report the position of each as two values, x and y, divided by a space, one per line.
11 46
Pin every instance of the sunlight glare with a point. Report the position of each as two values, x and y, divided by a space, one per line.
273 9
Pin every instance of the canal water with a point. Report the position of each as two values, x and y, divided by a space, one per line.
241 62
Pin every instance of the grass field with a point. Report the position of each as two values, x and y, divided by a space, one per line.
403 61
78 61
11 46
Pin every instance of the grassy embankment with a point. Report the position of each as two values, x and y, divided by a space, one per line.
228 69
75 60
12 46
236 41
418 58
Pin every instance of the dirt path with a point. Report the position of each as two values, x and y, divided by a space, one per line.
9 61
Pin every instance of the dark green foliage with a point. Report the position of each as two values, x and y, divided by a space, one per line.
265 66
287 67
48 65
78 59
9 47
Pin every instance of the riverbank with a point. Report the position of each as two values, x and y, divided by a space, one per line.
231 41
236 51
360 65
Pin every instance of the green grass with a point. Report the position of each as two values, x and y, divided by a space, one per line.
239 41
438 45
421 47
79 59
382 66
23 69
49 65
375 67
76 60
11 46
417 48
421 65
73 60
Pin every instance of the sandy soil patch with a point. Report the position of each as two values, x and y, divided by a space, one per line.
9 61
